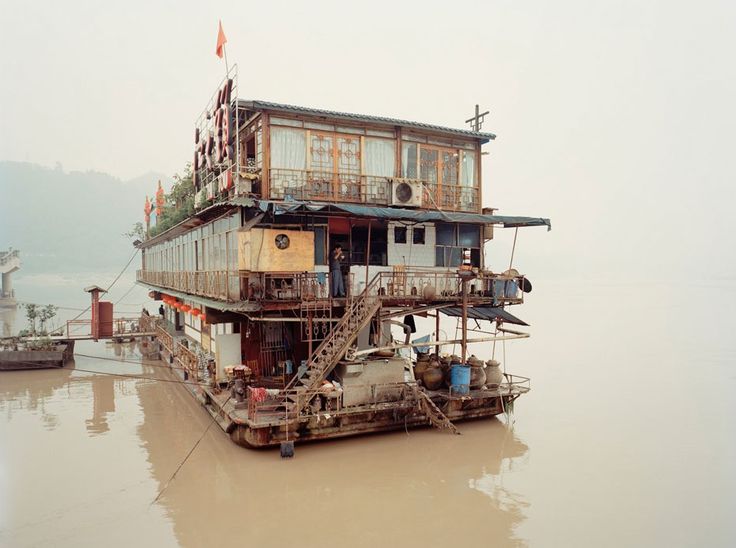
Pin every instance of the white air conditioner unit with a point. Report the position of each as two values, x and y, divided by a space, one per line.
406 193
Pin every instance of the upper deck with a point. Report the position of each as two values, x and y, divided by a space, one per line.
283 152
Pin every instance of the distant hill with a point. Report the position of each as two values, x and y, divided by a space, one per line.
70 222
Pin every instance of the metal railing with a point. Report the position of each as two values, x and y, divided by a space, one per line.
305 185
114 328
411 284
282 406
210 283
187 360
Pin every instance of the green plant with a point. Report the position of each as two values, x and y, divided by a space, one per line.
32 313
45 314
179 204
138 232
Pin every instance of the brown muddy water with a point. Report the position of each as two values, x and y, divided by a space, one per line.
627 439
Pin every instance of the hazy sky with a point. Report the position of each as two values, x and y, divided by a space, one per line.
615 118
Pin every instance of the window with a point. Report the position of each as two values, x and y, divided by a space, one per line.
409 160
379 157
320 245
418 235
400 235
452 239
288 148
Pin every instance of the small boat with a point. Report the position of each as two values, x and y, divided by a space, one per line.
21 359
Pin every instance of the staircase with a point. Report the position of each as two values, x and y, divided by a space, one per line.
334 346
435 415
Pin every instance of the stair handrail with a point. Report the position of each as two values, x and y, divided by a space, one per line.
347 316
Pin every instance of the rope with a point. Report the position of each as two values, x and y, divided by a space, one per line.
161 492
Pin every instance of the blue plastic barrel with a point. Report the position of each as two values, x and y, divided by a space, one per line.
460 379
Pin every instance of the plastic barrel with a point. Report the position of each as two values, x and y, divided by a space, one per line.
460 379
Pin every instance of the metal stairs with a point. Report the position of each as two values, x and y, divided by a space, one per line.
334 346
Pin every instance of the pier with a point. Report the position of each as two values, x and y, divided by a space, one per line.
9 263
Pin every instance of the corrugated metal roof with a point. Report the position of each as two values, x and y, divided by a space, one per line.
256 104
414 215
490 313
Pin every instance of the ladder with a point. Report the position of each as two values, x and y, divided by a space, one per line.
334 346
435 415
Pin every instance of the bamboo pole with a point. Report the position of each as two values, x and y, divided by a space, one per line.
443 342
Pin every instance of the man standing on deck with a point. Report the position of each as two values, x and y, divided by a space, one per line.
338 286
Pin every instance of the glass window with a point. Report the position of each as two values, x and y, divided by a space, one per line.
320 245
418 235
286 122
314 125
469 236
468 169
428 164
355 130
409 160
288 148
445 234
379 157
414 138
400 235
378 133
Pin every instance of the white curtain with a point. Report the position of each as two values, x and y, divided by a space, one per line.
379 156
409 160
288 148
468 174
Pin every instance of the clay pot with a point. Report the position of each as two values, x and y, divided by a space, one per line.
494 375
432 378
420 368
473 361
429 292
477 377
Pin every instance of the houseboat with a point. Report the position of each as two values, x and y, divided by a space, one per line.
303 297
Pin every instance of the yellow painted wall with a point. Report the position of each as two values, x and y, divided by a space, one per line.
257 251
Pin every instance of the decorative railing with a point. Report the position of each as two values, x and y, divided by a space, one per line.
407 284
166 340
188 361
295 286
427 285
217 284
301 185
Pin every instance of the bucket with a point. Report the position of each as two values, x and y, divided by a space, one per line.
460 379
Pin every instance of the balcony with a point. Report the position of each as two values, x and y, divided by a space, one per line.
216 284
291 184
402 285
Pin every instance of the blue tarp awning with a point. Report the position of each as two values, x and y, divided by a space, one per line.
402 214
490 313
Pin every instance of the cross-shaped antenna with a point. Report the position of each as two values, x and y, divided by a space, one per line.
476 122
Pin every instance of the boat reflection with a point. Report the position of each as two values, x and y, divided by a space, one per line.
428 486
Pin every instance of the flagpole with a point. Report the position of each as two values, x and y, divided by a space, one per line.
227 69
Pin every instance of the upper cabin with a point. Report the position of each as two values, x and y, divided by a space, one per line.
281 152
278 186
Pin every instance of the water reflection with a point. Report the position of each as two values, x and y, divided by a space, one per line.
425 487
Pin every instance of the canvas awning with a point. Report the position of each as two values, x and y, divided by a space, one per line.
490 313
402 214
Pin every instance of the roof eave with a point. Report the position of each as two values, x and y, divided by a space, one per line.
266 106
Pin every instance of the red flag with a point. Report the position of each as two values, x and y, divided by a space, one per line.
220 41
